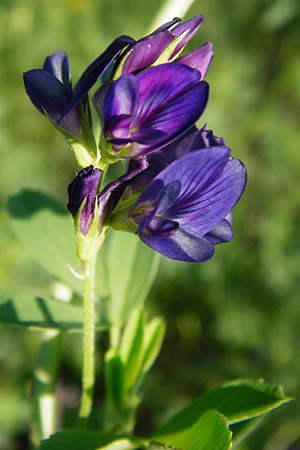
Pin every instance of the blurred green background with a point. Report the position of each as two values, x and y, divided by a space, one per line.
236 316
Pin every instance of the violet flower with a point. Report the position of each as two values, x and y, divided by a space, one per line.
165 44
144 112
186 208
158 160
50 88
84 189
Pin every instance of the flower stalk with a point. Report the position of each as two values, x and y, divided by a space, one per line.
88 371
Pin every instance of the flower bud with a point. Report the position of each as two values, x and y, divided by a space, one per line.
84 189
84 209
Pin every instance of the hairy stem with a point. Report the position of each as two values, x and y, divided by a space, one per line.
88 371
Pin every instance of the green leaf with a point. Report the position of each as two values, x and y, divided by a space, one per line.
241 430
129 268
237 401
42 313
89 440
45 229
125 267
114 379
131 349
153 338
210 432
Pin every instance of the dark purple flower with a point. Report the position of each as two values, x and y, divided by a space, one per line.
84 189
186 208
50 88
144 112
170 38
158 160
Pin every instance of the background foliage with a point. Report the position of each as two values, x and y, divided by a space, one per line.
236 316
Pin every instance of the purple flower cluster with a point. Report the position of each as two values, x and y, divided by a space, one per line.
180 183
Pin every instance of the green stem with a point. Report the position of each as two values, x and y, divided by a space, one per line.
43 393
88 371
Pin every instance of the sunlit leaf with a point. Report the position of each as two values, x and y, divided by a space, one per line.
237 401
88 440
125 267
45 229
210 432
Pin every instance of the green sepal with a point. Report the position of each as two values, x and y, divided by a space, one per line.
120 219
108 154
82 154
165 56
84 147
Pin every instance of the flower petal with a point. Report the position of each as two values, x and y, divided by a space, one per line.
187 29
58 65
157 197
221 233
196 170
46 92
84 187
205 138
199 59
159 85
120 100
175 120
97 67
146 51
201 206
149 136
160 159
179 114
181 245
160 103
70 122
